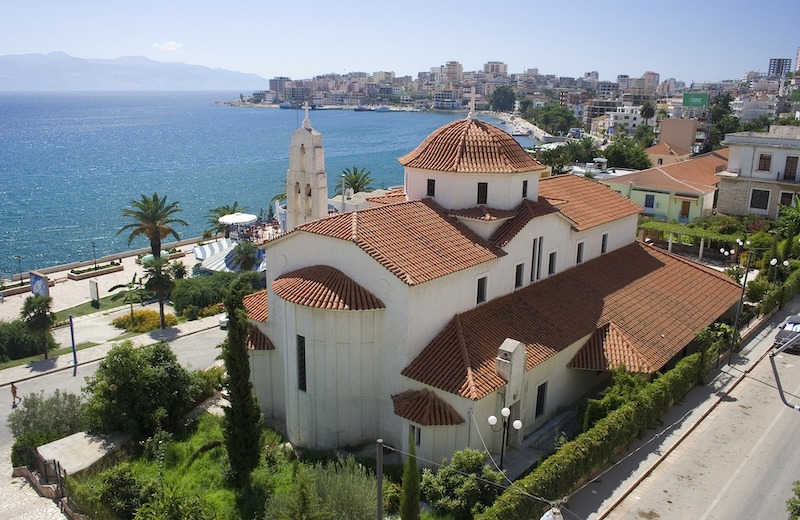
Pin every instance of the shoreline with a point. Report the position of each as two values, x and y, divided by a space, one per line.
521 125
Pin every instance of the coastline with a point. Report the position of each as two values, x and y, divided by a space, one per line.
521 125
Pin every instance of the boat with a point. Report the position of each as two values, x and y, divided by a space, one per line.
362 108
286 104
382 108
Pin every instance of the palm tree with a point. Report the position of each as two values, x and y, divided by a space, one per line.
38 317
355 179
590 149
648 111
133 292
160 282
153 218
244 255
217 213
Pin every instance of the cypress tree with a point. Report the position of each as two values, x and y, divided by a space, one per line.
242 416
409 499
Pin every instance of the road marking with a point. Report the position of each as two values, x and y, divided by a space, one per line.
744 461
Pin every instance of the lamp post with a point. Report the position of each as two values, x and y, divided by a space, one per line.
516 424
19 263
94 255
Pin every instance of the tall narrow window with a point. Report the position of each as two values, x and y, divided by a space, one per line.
551 264
649 201
541 399
579 256
483 192
604 244
431 188
301 363
536 259
481 297
519 272
790 171
524 189
764 162
415 433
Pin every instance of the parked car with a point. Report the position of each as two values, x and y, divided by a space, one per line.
789 332
223 322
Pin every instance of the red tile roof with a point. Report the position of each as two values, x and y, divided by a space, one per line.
695 177
257 340
424 407
586 202
471 146
324 287
483 213
256 305
656 300
391 197
415 240
609 348
667 149
525 212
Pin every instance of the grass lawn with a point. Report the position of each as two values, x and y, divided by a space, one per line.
106 304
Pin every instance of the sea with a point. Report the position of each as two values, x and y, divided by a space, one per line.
71 161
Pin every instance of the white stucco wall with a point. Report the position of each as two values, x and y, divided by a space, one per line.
460 190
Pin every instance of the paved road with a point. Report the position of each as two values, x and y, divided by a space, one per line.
740 409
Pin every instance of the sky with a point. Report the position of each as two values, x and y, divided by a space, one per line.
697 40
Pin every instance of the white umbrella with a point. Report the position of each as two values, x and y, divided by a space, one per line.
238 219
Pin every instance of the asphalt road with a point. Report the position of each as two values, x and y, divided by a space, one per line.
195 351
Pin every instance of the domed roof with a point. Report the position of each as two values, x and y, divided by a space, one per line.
470 146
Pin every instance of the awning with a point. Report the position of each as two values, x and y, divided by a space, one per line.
223 261
207 250
690 198
237 219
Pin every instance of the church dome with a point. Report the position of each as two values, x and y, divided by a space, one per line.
470 146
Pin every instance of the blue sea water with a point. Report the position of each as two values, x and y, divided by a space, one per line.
69 162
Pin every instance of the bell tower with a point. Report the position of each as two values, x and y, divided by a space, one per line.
306 180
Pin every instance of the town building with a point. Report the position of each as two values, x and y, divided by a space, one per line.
661 154
761 172
626 117
680 191
748 108
779 67
479 285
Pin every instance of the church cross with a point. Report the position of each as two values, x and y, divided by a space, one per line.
472 97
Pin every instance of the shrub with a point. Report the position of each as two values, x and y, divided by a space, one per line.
391 497
122 492
41 419
346 489
211 310
17 341
192 312
137 390
626 386
200 291
757 288
463 486
143 321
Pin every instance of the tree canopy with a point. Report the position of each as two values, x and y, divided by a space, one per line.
220 211
153 218
356 179
37 314
552 118
627 153
503 99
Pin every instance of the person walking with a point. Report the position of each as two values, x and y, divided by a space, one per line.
14 396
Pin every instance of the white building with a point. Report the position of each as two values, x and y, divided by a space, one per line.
485 286
749 108
627 116
762 171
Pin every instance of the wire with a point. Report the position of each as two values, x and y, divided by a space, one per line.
765 383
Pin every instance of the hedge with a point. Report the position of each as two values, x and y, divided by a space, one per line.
560 473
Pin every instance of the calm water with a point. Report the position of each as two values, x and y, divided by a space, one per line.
69 162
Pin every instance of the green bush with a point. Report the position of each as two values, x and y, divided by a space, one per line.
41 419
463 486
192 312
346 489
757 288
212 310
391 496
137 390
122 492
17 341
143 321
558 475
626 385
200 291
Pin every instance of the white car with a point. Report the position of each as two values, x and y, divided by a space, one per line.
223 322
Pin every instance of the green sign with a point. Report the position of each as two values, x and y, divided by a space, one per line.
695 99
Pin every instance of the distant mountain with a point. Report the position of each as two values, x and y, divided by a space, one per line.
59 71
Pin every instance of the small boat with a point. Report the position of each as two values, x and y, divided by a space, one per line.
286 104
362 108
382 108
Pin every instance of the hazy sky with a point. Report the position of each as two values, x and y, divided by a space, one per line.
690 40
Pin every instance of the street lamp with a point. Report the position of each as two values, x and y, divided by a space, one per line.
516 424
19 263
94 256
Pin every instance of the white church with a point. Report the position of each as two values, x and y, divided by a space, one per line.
484 284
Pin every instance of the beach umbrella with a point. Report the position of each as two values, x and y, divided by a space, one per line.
238 219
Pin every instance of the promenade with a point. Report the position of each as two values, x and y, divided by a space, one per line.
18 500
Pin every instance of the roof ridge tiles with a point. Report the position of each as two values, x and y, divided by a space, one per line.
472 389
